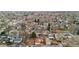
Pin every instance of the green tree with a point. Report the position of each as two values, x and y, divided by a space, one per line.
33 35
3 33
48 28
38 20
78 32
35 20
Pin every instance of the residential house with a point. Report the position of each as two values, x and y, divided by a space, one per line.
48 42
17 39
39 41
51 36
67 35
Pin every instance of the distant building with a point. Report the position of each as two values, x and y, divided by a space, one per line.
38 41
48 42
68 35
51 36
15 39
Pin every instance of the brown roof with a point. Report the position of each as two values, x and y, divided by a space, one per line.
31 41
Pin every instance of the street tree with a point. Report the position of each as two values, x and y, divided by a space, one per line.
33 35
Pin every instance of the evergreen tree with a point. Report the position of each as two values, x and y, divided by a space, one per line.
78 32
35 20
3 33
48 28
33 35
38 20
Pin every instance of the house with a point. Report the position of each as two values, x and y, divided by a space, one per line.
51 36
48 42
38 41
33 42
67 35
45 32
58 36
28 42
3 39
17 39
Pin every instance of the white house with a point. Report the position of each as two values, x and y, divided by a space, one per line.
48 42
17 39
51 36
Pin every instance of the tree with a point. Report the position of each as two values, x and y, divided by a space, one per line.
74 21
48 28
33 35
78 32
38 20
3 33
35 20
